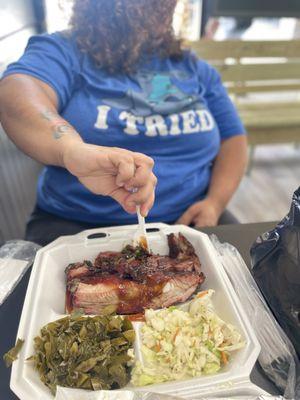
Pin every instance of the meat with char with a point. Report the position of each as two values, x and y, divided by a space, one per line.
133 279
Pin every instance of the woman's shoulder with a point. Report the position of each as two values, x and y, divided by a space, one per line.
58 45
197 65
62 41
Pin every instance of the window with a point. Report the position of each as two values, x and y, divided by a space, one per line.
58 14
186 20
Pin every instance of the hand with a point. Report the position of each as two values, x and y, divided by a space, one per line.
201 214
110 171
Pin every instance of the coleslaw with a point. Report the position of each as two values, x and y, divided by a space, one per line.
179 344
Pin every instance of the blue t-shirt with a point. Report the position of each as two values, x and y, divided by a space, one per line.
176 112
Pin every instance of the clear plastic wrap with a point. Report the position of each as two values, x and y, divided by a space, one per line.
15 258
278 358
74 394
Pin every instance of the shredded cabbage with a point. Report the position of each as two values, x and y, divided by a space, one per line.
178 344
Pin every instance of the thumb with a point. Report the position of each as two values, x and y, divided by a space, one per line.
188 217
121 195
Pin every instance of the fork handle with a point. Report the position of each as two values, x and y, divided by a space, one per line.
141 220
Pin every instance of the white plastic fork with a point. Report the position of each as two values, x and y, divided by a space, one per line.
140 236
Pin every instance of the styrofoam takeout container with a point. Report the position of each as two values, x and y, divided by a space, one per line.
45 302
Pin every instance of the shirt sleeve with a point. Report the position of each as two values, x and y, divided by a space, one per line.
220 105
53 60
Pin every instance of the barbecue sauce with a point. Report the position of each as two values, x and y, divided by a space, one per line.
134 277
137 317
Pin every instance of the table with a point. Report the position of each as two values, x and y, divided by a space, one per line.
241 236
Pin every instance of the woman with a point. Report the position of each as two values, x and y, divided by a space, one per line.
116 85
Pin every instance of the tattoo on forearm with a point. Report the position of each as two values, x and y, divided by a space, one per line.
61 130
49 115
59 127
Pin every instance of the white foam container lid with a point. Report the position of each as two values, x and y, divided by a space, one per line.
45 302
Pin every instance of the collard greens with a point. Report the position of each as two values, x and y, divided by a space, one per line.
12 354
85 352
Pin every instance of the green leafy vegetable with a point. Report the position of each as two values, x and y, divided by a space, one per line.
85 352
12 354
138 252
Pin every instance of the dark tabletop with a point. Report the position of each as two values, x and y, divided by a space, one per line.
241 236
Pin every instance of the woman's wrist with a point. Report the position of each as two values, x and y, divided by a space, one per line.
67 143
63 134
218 203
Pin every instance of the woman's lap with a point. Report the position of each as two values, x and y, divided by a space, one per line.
43 227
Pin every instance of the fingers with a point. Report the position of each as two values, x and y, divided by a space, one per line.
126 170
146 207
145 181
133 169
143 173
129 171
204 222
144 197
142 159
206 219
121 195
188 217
141 176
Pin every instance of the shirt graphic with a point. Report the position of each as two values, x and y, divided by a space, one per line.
160 94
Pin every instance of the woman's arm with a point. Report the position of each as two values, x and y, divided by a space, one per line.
228 170
28 113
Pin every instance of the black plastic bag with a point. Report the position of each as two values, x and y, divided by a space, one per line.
276 269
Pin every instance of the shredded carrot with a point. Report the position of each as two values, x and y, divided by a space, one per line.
202 294
176 333
224 357
157 348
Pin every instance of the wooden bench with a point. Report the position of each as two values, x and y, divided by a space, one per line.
263 78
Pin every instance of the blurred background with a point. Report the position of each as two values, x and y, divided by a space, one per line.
254 44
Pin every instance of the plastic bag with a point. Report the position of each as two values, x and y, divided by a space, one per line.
276 269
278 358
15 259
74 394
